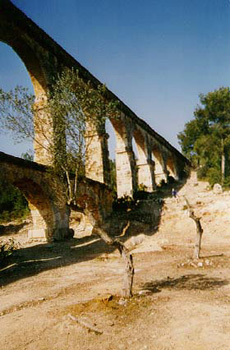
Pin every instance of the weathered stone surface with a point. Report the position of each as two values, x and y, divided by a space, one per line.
217 189
44 60
156 158
46 195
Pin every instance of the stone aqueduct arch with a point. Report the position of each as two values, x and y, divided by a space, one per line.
45 194
44 59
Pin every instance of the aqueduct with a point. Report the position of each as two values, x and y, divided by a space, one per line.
44 60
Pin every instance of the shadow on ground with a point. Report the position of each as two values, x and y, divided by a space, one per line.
186 282
7 230
144 213
32 260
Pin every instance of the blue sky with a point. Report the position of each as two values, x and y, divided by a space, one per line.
156 55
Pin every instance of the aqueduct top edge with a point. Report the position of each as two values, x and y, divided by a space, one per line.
10 13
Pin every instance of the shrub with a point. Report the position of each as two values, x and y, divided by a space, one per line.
214 176
13 204
227 183
202 172
124 203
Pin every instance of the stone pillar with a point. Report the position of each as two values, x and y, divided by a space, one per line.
97 154
160 167
126 172
43 130
39 230
49 135
125 160
49 225
145 164
173 168
146 174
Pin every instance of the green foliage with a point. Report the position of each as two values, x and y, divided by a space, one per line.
163 183
141 192
227 183
73 109
142 187
12 203
214 176
125 203
77 108
205 140
113 177
28 155
16 113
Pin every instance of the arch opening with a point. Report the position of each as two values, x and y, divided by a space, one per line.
171 169
41 208
112 155
145 167
11 62
24 49
160 171
13 204
125 158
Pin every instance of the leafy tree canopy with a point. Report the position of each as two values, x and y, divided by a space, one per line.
71 107
205 140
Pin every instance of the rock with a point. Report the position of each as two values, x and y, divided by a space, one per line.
144 292
137 240
122 302
200 264
217 189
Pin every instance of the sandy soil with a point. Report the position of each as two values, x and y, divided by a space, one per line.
178 304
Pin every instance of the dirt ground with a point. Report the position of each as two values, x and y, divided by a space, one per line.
63 296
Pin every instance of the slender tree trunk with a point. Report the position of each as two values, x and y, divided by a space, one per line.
126 256
70 196
222 162
75 186
199 231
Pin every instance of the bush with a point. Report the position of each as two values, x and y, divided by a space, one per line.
142 188
13 204
163 183
213 176
171 180
227 183
141 195
202 173
124 203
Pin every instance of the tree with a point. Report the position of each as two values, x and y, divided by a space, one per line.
206 139
70 108
12 203
199 230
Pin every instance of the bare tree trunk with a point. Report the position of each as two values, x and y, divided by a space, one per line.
75 186
126 256
199 230
70 196
222 162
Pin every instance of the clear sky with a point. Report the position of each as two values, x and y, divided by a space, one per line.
156 55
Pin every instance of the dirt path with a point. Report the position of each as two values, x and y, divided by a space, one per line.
178 304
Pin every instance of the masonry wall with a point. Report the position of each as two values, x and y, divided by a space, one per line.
44 60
